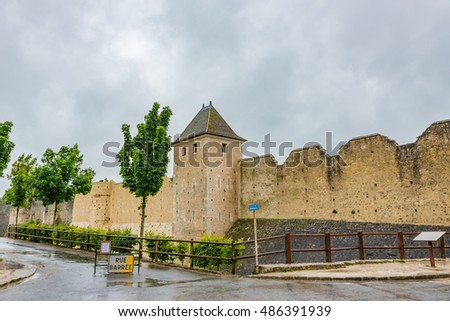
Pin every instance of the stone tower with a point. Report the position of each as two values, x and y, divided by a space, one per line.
206 176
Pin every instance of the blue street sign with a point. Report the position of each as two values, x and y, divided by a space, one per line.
253 207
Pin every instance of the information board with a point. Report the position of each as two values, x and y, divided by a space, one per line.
429 236
105 247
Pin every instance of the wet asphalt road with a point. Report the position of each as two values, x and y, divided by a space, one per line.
68 275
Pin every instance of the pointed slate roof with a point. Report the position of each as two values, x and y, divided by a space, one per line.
208 121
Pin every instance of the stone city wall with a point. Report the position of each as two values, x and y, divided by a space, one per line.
4 218
37 212
111 206
373 179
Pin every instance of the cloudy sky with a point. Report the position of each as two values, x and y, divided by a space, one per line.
75 71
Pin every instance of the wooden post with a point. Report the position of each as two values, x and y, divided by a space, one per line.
361 246
156 250
88 245
441 243
287 247
328 247
401 245
233 259
430 250
191 252
70 238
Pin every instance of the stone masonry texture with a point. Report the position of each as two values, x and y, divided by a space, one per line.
372 180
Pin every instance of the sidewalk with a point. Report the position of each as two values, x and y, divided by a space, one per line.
11 272
358 271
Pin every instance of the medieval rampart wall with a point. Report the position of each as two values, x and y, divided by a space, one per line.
373 179
111 206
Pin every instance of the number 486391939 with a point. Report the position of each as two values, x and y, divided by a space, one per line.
304 311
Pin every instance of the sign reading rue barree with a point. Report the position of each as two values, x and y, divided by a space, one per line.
121 264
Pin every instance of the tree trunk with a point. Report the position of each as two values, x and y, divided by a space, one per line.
17 215
54 214
141 234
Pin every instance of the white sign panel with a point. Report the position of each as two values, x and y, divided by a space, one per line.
105 247
429 236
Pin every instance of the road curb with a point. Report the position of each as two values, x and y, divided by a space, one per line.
354 278
17 276
341 271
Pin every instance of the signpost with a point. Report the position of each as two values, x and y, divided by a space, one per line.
429 237
255 207
117 263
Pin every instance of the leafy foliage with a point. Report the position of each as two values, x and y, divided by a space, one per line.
89 239
60 176
215 250
121 243
182 248
143 159
6 146
160 243
77 237
20 192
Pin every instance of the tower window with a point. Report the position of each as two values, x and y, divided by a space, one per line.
195 147
183 151
224 148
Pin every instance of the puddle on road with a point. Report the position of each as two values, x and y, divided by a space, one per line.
150 283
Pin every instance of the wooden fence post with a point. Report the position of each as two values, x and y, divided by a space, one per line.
88 245
71 239
9 231
441 243
328 247
361 246
156 250
191 252
401 245
233 259
287 247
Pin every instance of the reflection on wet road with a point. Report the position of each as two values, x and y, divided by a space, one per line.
68 275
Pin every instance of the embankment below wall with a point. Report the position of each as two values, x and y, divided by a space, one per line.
243 229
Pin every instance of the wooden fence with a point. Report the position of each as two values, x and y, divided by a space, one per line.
359 250
85 241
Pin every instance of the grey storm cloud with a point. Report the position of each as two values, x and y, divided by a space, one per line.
75 71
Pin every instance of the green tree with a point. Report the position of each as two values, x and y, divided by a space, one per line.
143 158
60 177
20 192
6 146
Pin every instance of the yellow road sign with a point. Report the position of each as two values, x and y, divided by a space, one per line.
121 264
